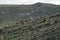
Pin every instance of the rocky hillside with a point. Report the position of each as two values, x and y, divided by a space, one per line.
46 27
38 21
11 13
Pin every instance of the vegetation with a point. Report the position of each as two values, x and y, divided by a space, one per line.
12 13
38 28
30 22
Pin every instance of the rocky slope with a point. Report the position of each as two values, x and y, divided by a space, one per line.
46 27
11 13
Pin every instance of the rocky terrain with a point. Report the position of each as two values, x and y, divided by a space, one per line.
12 13
40 28
30 22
